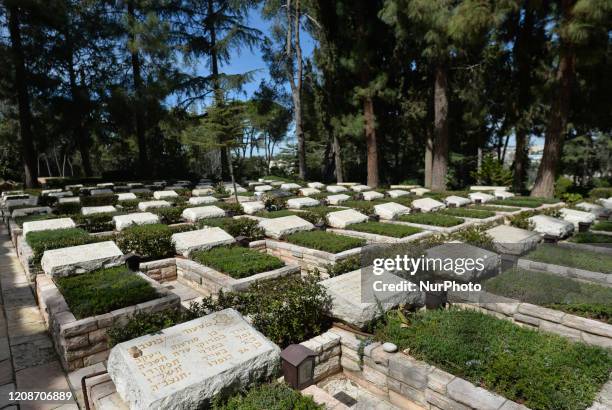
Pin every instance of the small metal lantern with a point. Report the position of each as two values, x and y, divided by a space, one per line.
298 363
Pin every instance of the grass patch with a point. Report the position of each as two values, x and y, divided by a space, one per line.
434 219
468 213
104 290
539 370
236 261
589 237
152 241
545 289
236 227
273 396
603 226
386 229
581 259
493 208
524 201
325 241
41 241
276 214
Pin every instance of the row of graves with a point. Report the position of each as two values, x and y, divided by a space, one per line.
276 294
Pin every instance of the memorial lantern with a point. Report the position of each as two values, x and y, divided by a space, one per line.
298 364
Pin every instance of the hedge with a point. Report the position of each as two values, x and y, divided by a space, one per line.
236 261
434 219
41 241
149 241
539 370
325 241
104 290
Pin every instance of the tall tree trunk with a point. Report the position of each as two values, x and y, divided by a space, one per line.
440 146
218 92
557 122
428 160
138 88
80 134
338 160
371 144
23 100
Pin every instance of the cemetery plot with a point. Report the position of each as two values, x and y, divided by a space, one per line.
237 262
324 241
382 232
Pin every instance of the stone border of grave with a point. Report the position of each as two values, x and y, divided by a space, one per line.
373 238
307 259
575 328
586 247
81 343
566 272
437 229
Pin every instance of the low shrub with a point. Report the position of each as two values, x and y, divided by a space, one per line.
468 213
149 241
553 291
169 215
386 229
231 208
274 396
325 241
41 241
103 291
581 259
67 208
236 261
275 203
130 204
599 193
365 207
93 223
434 219
343 266
474 235
37 217
603 226
589 237
536 369
494 208
276 214
236 227
99 200
316 214
521 220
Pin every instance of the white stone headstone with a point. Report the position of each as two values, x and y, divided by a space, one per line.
347 184
502 194
420 191
135 184
396 193
371 195
304 202
289 186
38 210
62 194
341 219
550 226
607 203
126 196
80 259
47 225
360 188
101 191
90 210
164 194
577 217
481 197
404 186
511 240
456 201
239 189
390 210
337 199
316 185
74 186
105 185
252 207
493 188
202 191
286 225
201 200
263 188
46 192
202 212
146 205
190 241
334 189
186 366
427 205
137 218
597 210
69 200
309 191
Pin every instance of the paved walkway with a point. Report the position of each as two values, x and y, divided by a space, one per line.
28 361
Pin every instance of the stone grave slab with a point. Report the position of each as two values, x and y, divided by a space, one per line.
47 225
577 217
164 194
360 188
201 200
493 188
502 194
316 185
29 200
90 210
146 205
140 190
46 192
159 183
186 366
202 212
62 194
337 199
607 203
342 219
347 184
37 210
101 191
286 225
289 186
105 185
136 218
553 227
491 261
372 195
239 189
456 201
304 202
73 186
255 183
334 189
513 241
202 191
597 210
404 186
351 304
69 200
206 238
126 196
80 259
390 210
309 191
427 205
135 184
252 207
481 197
420 191
263 188
396 193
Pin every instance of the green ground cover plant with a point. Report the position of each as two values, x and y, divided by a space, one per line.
603 192
100 222
66 208
365 207
539 370
434 219
99 200
276 214
493 208
149 241
170 215
602 226
548 290
41 241
343 266
575 258
524 201
104 290
589 237
236 261
386 229
324 241
38 217
236 227
273 396
468 213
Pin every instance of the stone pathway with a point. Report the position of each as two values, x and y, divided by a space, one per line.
28 361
